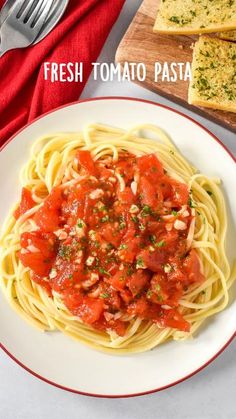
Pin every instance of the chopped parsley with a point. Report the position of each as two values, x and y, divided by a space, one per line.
191 203
141 227
146 211
149 294
123 246
140 263
152 239
109 247
105 295
103 271
105 219
130 270
161 243
80 223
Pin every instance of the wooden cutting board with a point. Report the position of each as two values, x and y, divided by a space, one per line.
141 45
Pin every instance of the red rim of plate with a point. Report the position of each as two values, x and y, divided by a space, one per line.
211 359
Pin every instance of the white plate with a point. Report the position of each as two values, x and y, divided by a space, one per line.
66 363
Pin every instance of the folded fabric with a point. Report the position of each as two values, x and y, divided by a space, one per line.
79 37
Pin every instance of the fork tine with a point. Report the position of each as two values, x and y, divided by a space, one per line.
34 11
38 18
17 8
26 10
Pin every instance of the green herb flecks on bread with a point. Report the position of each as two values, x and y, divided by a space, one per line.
213 82
195 16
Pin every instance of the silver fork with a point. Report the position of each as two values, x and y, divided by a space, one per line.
23 24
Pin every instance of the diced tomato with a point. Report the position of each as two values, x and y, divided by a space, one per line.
156 227
86 161
169 239
104 172
138 281
126 296
38 252
138 307
172 318
113 299
48 216
129 249
110 235
174 297
47 219
76 205
87 309
118 281
152 260
192 267
43 242
145 310
180 193
67 274
118 326
63 276
177 275
165 187
159 289
151 167
36 262
126 168
26 203
126 197
54 199
150 193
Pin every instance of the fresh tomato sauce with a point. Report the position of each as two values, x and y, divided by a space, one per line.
113 245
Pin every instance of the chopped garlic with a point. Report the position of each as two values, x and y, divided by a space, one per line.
168 227
134 187
108 316
94 278
99 204
151 249
32 249
112 179
98 193
61 234
180 225
134 209
24 251
53 274
121 182
167 268
90 260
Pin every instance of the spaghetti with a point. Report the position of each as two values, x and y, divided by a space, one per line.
133 289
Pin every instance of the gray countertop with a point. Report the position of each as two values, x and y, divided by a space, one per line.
209 394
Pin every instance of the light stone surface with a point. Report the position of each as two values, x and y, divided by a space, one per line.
208 395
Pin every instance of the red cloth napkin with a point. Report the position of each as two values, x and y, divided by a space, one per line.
80 35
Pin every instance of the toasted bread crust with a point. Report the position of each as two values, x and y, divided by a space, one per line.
213 82
191 17
230 36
